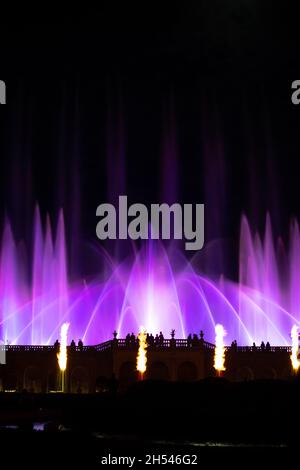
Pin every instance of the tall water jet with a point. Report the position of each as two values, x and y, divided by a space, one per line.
37 281
10 289
61 267
48 276
154 287
268 301
294 271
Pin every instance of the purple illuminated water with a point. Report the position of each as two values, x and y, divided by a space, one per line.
148 290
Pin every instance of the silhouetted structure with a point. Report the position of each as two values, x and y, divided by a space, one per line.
101 367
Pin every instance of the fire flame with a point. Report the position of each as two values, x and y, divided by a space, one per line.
141 363
62 355
295 348
219 358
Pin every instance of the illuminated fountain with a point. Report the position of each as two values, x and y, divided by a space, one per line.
154 287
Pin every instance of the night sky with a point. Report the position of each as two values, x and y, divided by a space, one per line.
203 116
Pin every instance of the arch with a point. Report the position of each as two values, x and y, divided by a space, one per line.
32 379
2 379
187 371
10 382
102 384
244 373
52 380
158 371
267 373
79 380
287 372
128 372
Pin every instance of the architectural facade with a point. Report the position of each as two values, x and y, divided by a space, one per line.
91 368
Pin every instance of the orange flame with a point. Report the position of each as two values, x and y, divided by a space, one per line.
295 348
219 358
141 363
62 355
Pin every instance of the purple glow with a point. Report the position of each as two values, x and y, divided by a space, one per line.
148 290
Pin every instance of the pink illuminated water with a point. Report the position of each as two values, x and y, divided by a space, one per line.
147 290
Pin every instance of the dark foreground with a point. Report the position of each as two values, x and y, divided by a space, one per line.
210 418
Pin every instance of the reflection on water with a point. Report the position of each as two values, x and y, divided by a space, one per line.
186 443
217 444
39 426
9 426
46 426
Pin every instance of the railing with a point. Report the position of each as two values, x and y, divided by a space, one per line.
160 344
17 348
104 346
245 349
82 348
163 344
122 344
22 348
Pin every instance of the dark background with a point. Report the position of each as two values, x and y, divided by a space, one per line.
201 113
